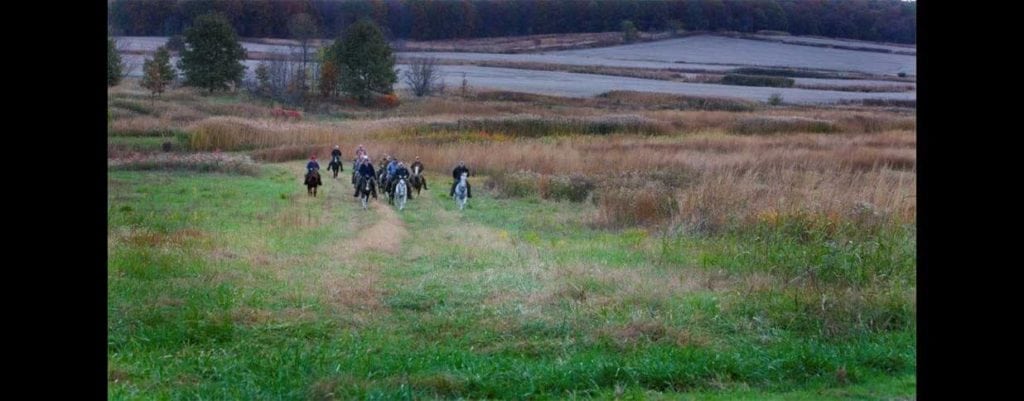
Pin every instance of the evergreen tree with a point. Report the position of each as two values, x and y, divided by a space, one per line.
113 63
629 33
212 56
364 61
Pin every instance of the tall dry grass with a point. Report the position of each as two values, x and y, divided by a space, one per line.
832 163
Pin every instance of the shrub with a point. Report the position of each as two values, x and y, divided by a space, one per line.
389 101
758 80
771 125
775 99
202 162
649 204
287 153
574 188
532 127
781 72
678 102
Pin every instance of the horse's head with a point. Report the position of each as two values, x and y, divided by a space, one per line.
416 170
463 177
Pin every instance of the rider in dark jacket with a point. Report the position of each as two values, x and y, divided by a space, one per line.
336 157
366 172
401 173
457 174
312 165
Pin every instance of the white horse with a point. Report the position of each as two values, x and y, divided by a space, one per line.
460 192
400 193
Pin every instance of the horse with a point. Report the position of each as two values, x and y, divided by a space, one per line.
286 114
365 191
334 166
400 192
312 181
417 180
382 178
461 192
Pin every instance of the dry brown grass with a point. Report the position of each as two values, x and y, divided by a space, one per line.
824 161
385 235
354 294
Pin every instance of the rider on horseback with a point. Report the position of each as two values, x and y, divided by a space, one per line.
418 166
392 166
336 157
312 165
360 152
366 172
457 175
401 173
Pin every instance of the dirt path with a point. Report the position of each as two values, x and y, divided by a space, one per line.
351 284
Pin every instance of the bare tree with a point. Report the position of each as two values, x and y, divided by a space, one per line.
303 28
422 76
127 66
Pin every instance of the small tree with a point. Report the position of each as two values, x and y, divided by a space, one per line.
157 72
676 26
113 63
629 32
422 76
328 79
262 79
365 62
775 99
212 56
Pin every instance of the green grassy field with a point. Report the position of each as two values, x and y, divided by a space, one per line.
240 287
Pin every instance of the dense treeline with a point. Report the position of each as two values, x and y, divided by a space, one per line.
878 20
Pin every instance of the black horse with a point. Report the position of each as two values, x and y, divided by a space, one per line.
366 188
312 181
335 166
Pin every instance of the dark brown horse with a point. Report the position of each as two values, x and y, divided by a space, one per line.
417 180
312 181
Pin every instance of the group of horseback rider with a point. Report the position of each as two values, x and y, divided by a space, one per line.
362 167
